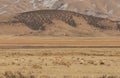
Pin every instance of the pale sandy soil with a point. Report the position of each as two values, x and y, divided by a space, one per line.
60 63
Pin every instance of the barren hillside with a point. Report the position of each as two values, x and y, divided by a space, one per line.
59 23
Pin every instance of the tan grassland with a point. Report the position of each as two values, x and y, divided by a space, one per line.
60 63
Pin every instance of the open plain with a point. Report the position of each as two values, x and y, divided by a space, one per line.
59 57
60 63
59 44
11 40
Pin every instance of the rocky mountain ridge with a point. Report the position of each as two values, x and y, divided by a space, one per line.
100 8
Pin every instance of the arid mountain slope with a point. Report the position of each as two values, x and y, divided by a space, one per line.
101 8
60 23
37 19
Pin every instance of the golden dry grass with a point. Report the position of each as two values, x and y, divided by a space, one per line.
60 63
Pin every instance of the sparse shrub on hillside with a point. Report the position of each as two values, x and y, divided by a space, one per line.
118 26
96 22
36 20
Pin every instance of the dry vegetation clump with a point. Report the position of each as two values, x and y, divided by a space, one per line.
104 76
37 67
107 76
62 63
9 74
97 62
45 76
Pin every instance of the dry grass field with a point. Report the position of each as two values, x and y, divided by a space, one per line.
55 57
60 63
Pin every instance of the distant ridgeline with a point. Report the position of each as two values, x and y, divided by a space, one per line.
36 20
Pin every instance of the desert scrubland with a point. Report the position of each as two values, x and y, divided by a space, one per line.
59 44
60 62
